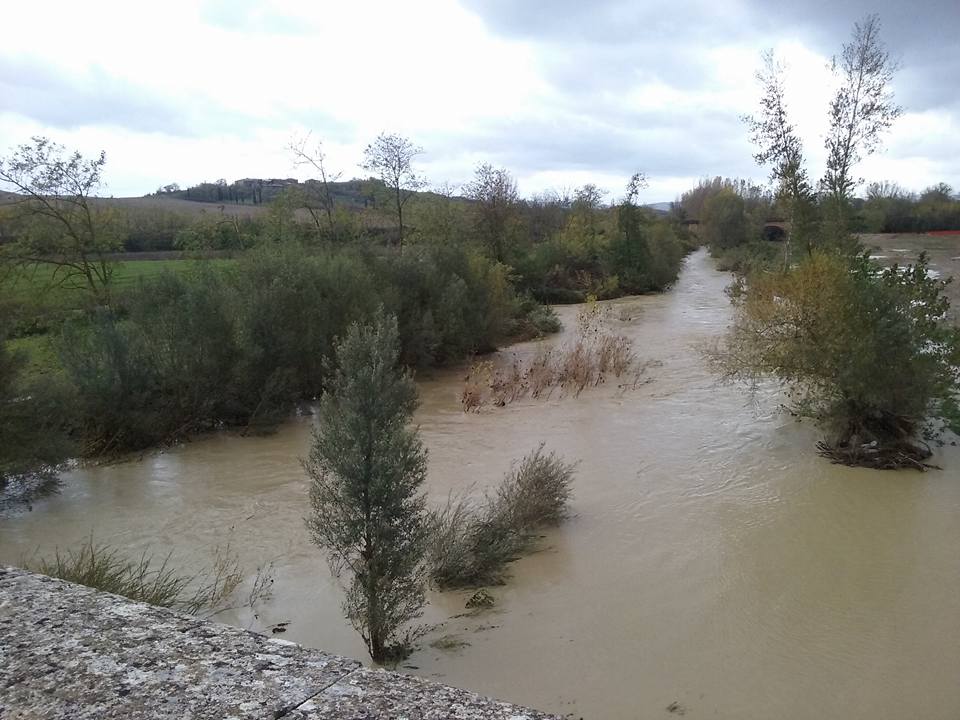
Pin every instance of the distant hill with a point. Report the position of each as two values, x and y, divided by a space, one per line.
163 203
237 198
661 208
356 193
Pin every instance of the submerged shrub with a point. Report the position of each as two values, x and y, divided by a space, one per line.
866 352
472 542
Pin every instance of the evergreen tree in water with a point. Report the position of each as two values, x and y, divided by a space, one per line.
366 466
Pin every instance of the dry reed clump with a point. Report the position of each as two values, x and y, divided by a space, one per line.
146 579
473 541
594 355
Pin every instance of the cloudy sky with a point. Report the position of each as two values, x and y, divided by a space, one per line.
560 92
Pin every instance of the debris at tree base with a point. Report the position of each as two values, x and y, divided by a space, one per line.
901 456
480 599
449 643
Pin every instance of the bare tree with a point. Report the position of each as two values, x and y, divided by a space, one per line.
313 155
638 181
57 219
495 193
391 156
779 147
885 189
588 198
861 111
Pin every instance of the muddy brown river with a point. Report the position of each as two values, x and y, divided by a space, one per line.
713 560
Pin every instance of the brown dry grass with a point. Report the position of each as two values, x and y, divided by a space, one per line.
593 356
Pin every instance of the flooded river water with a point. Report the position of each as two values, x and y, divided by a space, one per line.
713 560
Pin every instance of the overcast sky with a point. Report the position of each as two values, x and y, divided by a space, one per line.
560 93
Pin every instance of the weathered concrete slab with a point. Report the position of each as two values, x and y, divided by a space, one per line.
365 694
71 653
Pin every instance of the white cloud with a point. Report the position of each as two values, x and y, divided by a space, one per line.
185 91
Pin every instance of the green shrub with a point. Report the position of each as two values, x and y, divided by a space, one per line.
241 344
32 442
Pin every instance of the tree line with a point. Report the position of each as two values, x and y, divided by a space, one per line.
239 342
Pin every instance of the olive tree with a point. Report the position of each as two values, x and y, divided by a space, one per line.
58 222
366 467
391 156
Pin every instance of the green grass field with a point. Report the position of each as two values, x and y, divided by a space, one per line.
38 284
35 305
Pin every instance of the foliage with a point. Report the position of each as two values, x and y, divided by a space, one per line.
148 229
751 257
724 223
318 197
32 444
602 251
471 543
779 146
862 109
866 352
495 198
216 232
242 342
55 220
439 218
544 320
888 208
366 468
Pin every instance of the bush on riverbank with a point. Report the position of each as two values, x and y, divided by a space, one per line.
31 443
472 543
625 250
241 344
